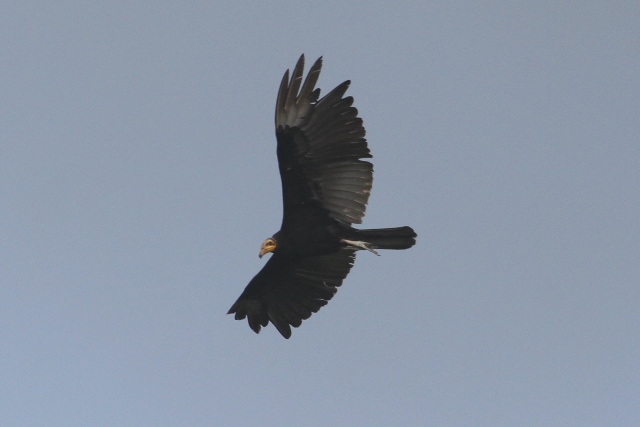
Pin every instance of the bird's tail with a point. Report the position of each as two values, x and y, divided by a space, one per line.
388 238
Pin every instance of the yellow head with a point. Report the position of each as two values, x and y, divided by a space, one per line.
268 245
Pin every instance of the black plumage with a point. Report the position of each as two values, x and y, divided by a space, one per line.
325 188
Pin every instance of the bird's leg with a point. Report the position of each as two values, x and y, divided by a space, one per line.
356 244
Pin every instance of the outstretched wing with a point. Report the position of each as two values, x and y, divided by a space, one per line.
285 293
320 146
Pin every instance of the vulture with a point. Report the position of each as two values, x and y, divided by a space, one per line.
325 189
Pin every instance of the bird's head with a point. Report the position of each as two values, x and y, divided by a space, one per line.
267 246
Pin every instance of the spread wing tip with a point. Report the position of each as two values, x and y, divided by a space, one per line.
258 317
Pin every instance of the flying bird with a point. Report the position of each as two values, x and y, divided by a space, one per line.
325 189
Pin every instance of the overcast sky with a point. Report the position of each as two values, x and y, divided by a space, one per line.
138 177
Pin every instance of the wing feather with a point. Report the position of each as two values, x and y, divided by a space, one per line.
286 295
321 144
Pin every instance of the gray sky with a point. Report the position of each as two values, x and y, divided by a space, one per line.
138 178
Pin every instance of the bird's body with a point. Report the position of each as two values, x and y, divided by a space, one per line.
325 189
